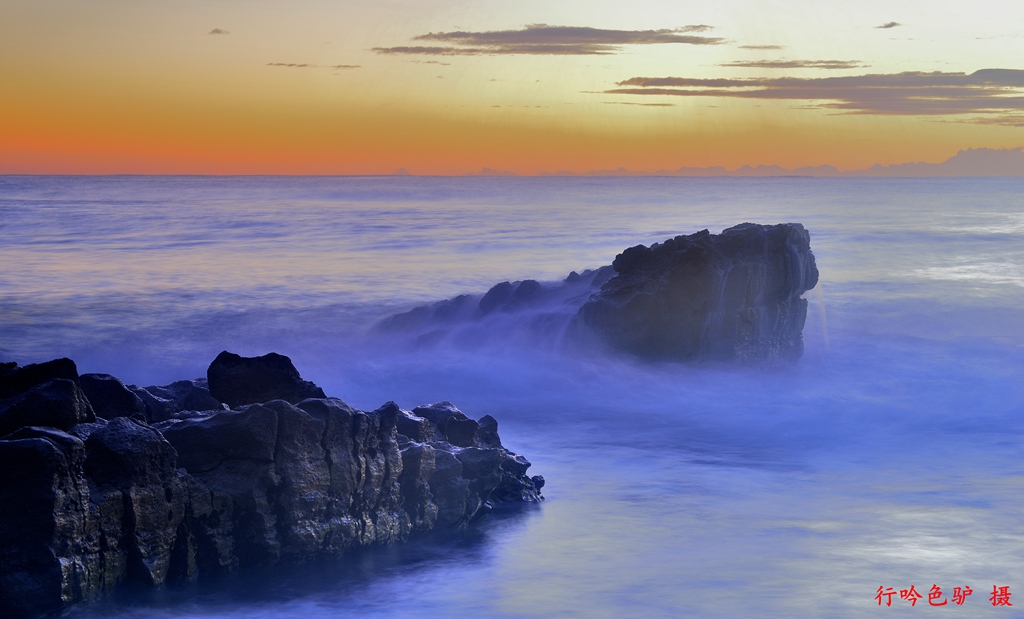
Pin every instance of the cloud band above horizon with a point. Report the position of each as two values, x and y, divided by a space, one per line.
542 39
998 94
795 64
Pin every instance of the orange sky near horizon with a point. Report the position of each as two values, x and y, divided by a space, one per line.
144 88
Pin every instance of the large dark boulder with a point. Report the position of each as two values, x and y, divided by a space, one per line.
205 441
237 381
163 402
448 423
44 501
15 380
110 398
130 458
465 471
82 513
57 403
731 297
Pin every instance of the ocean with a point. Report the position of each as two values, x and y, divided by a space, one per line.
890 455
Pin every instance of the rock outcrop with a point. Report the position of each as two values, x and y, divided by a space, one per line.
164 402
57 403
462 463
15 380
236 380
110 397
549 301
88 504
731 297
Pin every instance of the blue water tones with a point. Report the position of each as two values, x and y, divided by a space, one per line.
890 455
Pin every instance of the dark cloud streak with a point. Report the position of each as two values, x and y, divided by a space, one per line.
218 31
295 65
542 39
996 94
795 64
429 51
889 25
640 104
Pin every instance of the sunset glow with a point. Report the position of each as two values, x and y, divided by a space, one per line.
445 87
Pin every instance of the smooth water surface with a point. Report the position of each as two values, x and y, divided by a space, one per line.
890 455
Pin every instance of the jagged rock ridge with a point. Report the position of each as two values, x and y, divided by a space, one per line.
93 499
733 297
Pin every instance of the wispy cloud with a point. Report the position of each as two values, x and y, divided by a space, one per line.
218 31
795 64
640 104
429 51
542 39
892 24
762 47
995 95
295 65
1006 120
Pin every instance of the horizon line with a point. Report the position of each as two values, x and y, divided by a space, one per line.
841 176
964 164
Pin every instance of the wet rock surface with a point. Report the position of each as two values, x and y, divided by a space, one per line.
89 504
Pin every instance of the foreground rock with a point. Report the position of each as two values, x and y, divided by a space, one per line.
89 504
733 297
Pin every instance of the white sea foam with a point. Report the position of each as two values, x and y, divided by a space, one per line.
996 273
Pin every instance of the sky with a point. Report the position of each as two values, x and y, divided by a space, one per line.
528 87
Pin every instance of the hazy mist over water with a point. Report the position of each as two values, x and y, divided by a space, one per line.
891 454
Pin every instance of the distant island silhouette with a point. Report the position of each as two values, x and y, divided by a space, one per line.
970 162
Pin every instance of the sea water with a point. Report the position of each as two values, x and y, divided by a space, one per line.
890 455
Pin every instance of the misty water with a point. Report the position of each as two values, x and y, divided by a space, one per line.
891 455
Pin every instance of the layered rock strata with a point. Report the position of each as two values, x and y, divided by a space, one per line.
143 490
